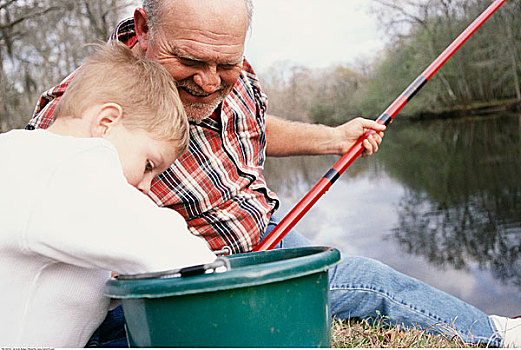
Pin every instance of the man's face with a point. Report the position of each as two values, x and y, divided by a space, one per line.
201 44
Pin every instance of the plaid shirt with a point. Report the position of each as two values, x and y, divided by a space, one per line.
217 185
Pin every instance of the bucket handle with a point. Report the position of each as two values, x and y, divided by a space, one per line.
220 264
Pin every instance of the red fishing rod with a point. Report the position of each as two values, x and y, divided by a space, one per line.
302 207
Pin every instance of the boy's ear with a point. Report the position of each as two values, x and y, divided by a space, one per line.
141 27
107 117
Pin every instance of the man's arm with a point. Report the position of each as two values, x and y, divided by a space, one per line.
288 138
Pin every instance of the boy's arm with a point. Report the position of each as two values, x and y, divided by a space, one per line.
91 217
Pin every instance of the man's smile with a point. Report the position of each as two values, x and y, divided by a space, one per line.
194 92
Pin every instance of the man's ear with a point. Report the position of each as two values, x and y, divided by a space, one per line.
106 117
141 27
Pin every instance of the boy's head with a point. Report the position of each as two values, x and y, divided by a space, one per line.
132 102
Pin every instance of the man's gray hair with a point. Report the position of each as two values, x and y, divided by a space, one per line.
153 11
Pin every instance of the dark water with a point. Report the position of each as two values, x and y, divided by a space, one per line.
440 201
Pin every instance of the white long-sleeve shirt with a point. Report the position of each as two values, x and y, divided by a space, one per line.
67 218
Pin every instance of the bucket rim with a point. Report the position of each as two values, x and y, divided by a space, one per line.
301 262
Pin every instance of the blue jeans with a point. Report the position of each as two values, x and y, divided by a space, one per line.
111 333
364 288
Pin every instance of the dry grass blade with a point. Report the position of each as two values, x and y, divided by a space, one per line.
375 333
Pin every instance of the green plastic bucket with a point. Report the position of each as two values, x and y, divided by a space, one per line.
277 298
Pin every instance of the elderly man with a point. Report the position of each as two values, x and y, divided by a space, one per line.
218 185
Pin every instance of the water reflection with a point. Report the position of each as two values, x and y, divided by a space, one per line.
463 199
440 202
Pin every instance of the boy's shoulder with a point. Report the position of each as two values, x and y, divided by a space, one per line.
37 162
44 137
41 146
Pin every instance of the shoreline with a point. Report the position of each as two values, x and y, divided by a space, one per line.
475 109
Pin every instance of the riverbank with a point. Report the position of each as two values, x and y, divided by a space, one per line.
474 109
374 334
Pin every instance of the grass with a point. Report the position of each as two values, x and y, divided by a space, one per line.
375 333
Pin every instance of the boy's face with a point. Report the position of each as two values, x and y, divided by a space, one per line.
142 157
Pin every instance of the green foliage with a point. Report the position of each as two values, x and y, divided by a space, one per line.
320 112
390 78
487 69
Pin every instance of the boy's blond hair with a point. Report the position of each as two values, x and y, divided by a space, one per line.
144 89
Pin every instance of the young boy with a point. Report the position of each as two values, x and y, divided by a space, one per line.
71 210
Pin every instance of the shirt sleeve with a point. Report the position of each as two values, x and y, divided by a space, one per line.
89 216
43 114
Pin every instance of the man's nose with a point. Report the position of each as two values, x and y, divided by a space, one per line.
208 79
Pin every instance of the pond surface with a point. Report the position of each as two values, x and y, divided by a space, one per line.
440 201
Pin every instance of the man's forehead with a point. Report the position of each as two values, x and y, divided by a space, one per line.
197 52
205 14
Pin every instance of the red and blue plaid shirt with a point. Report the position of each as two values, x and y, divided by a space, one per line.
217 185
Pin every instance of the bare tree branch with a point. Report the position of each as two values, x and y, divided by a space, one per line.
27 17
